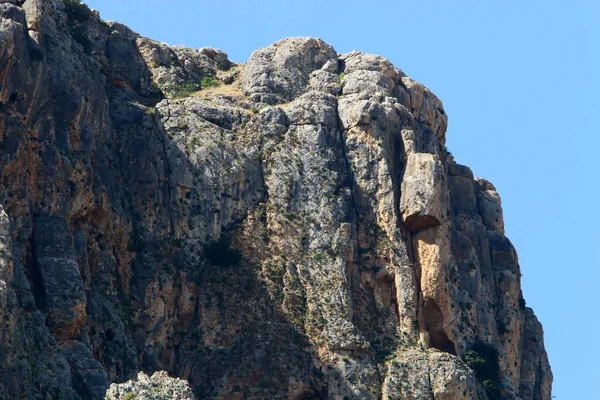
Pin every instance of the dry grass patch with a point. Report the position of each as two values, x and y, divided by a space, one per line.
229 90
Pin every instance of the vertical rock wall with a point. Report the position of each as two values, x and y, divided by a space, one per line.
289 228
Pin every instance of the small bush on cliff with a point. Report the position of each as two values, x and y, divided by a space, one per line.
78 14
77 11
186 90
209 81
218 252
80 35
483 360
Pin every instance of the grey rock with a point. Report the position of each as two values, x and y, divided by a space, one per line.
358 61
10 11
422 201
178 70
280 72
289 228
421 375
158 386
490 205
90 378
63 291
536 376
462 188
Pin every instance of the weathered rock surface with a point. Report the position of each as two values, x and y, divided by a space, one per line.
290 228
159 386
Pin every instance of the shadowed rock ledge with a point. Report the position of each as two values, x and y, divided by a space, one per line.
290 228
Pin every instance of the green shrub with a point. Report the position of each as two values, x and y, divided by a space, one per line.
77 11
129 396
482 358
218 252
209 81
80 35
77 15
186 90
318 256
502 327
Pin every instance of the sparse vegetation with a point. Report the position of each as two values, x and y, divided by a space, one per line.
209 81
185 90
502 327
77 11
483 359
80 35
78 14
318 256
188 89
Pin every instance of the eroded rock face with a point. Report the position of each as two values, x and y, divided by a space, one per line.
423 203
288 228
159 386
279 73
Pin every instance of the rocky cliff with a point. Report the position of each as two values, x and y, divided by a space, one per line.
290 228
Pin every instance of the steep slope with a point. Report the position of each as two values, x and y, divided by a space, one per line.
289 228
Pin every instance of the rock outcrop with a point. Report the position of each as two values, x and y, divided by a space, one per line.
291 228
159 386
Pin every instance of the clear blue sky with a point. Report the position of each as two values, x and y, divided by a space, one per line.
519 81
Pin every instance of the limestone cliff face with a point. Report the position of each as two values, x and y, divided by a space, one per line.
291 228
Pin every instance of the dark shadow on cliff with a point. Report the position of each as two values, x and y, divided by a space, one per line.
221 330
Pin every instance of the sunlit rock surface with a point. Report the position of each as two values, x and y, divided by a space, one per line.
289 228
